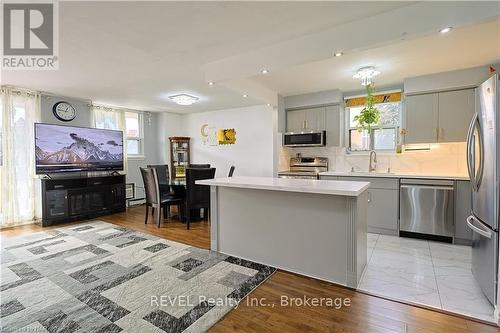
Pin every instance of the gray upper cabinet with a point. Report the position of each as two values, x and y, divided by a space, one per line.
421 118
324 118
438 117
295 120
333 126
308 119
455 112
315 119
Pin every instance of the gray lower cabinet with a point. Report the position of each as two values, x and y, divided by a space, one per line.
463 235
383 209
383 206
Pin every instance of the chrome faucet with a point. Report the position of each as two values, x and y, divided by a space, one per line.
373 161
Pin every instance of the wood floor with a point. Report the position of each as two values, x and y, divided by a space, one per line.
366 314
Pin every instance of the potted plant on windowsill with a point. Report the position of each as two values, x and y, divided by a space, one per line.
369 117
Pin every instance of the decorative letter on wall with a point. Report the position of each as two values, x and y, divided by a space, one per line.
208 135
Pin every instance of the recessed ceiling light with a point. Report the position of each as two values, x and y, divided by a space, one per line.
184 99
245 95
445 30
265 71
268 104
338 54
211 83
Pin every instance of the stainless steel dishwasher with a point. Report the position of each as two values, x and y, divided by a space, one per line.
426 207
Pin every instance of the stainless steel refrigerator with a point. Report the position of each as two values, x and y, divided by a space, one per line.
482 161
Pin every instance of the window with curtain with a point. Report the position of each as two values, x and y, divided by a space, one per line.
19 186
134 129
383 138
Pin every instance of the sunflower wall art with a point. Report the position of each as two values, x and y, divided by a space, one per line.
226 136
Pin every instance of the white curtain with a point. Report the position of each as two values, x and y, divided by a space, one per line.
20 200
114 119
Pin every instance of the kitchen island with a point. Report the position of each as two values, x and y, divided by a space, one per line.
315 228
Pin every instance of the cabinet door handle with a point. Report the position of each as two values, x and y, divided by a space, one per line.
369 197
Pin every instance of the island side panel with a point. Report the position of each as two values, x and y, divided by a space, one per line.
303 233
356 233
214 218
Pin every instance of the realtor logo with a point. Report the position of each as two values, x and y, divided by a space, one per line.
29 35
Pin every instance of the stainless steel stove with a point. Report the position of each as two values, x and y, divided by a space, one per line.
305 167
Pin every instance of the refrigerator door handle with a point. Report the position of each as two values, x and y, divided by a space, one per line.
480 171
482 232
470 158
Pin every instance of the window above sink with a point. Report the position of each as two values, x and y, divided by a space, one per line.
385 138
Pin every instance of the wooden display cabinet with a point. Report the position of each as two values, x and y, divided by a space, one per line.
179 156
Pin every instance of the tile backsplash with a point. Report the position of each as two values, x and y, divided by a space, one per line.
446 159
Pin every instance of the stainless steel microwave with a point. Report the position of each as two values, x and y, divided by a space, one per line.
304 139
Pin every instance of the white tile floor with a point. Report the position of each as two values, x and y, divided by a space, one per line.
424 272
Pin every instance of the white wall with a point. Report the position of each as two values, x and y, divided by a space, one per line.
169 124
150 154
252 155
81 106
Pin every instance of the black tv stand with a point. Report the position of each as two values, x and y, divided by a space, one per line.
72 199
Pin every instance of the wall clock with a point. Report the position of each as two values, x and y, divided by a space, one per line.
64 111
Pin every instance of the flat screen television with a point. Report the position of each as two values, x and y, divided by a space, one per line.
61 148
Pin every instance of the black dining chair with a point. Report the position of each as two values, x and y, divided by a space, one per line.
231 171
199 166
162 172
154 197
197 196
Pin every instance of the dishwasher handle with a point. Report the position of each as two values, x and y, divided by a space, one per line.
430 187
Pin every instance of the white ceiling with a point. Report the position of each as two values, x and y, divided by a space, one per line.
135 54
461 48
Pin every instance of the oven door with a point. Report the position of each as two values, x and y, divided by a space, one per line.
312 139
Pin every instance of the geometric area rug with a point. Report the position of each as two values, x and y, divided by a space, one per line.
99 277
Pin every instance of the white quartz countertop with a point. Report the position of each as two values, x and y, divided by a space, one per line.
391 175
344 188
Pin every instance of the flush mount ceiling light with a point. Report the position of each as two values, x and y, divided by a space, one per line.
211 83
445 30
245 95
184 99
338 54
265 71
366 74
